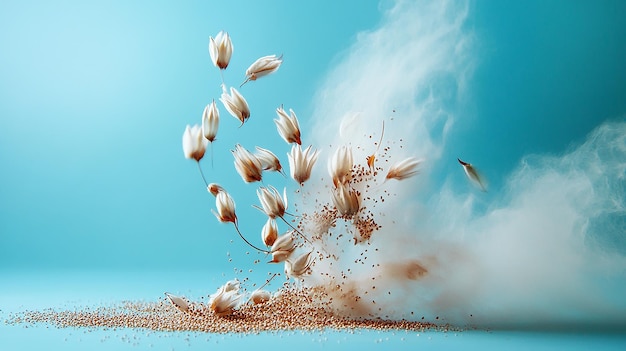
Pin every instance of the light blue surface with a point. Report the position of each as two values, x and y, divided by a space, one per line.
67 290
71 339
94 97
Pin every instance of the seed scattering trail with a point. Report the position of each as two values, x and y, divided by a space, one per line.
289 309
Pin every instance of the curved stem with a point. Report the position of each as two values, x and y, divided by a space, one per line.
206 184
247 242
296 230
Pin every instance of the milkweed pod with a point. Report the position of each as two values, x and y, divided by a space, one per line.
299 266
194 144
404 169
340 166
346 200
473 175
179 302
288 126
260 296
225 207
236 105
301 163
247 165
269 233
269 161
214 188
262 67
285 242
280 256
271 202
220 49
210 121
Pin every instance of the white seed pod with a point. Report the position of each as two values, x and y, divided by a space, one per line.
179 302
260 296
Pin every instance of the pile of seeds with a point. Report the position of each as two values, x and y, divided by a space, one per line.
289 309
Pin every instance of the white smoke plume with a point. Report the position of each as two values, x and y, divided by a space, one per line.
550 249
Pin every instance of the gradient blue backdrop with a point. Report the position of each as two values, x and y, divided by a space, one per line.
94 98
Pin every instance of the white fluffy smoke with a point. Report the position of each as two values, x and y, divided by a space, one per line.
550 250
415 63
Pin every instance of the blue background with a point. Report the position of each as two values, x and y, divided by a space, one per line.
94 97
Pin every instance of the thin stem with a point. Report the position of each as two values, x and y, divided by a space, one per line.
211 147
247 242
267 281
206 184
290 214
296 230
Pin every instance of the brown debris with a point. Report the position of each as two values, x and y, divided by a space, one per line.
306 309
